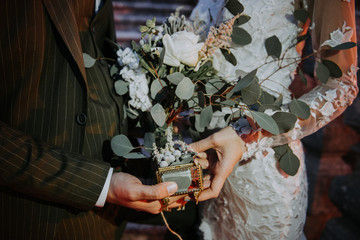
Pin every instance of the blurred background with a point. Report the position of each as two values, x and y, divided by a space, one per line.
332 154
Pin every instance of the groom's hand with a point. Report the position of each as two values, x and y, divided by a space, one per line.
128 191
229 148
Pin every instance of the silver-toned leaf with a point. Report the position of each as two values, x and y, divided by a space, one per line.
158 114
245 81
229 56
213 86
156 86
322 72
135 155
265 122
240 36
206 116
121 87
234 7
285 121
175 78
300 109
185 89
121 145
289 163
343 46
251 94
88 60
273 46
334 69
149 140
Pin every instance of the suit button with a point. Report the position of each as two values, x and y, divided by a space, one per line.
81 119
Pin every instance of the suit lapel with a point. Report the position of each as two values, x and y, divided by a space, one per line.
61 13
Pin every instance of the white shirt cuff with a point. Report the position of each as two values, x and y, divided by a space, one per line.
102 198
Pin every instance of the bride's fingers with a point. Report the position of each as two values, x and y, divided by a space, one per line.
204 163
214 190
206 182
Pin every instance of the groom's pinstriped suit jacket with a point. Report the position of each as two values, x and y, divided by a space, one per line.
54 118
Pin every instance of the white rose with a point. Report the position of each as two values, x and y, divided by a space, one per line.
181 47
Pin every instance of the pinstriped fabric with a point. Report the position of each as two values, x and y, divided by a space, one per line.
43 88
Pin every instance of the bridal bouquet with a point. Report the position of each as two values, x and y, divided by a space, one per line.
172 75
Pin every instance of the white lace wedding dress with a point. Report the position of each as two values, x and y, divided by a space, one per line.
257 200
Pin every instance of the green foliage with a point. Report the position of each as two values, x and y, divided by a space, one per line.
265 122
333 68
158 114
229 56
121 145
273 46
88 60
185 89
300 109
289 162
322 72
251 94
285 121
242 20
301 15
205 116
344 46
234 7
121 87
245 81
240 36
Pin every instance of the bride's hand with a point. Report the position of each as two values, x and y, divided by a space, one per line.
229 149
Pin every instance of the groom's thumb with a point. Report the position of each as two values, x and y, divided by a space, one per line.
159 191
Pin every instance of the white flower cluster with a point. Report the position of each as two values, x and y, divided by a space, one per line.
138 85
169 155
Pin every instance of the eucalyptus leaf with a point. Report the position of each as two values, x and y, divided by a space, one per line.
114 70
121 145
279 100
285 121
175 78
156 86
158 114
302 77
265 122
266 98
334 69
245 81
289 163
201 98
198 126
251 94
322 72
240 36
273 46
301 15
121 87
273 107
206 116
343 46
281 150
149 140
135 155
234 7
213 86
300 109
88 60
241 20
229 56
185 89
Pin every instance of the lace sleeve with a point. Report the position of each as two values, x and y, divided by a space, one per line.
333 23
